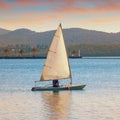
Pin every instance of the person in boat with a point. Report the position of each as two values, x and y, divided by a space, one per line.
55 83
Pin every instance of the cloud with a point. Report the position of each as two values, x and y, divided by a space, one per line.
109 6
59 9
34 12
4 5
87 6
29 2
67 6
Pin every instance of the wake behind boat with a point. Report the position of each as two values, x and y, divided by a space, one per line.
57 65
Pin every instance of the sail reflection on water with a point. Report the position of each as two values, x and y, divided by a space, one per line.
57 104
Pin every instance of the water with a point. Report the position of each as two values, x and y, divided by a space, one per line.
99 100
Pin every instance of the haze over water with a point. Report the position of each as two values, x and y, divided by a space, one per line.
99 100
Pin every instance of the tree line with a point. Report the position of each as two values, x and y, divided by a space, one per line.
26 50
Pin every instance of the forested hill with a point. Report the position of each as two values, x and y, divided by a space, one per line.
88 41
72 36
3 31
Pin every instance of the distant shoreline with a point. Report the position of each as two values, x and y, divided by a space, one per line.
24 57
102 57
72 57
34 57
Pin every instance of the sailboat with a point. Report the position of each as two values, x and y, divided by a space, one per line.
57 65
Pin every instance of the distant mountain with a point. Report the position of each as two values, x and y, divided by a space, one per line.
72 36
25 36
89 41
3 31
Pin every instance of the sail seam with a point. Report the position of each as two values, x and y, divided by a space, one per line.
57 36
47 66
51 51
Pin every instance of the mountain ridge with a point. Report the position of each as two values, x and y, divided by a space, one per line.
90 42
71 35
3 31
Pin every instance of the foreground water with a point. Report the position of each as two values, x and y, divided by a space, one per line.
99 100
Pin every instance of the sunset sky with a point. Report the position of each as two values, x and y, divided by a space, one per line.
44 15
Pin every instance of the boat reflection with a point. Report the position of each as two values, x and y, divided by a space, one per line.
57 104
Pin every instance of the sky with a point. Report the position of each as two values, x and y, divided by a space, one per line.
45 15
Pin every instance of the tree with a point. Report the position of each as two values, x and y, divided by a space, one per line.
34 51
21 52
6 51
73 53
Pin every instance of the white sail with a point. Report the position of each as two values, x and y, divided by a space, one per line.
57 64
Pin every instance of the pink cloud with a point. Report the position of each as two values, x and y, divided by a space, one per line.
28 2
69 6
102 6
4 5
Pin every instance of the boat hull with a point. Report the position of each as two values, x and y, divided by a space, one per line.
50 88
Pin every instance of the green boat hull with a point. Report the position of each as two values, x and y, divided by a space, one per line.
50 88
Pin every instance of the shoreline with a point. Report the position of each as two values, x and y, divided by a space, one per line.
71 57
34 57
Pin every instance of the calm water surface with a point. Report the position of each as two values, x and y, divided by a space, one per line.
99 100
